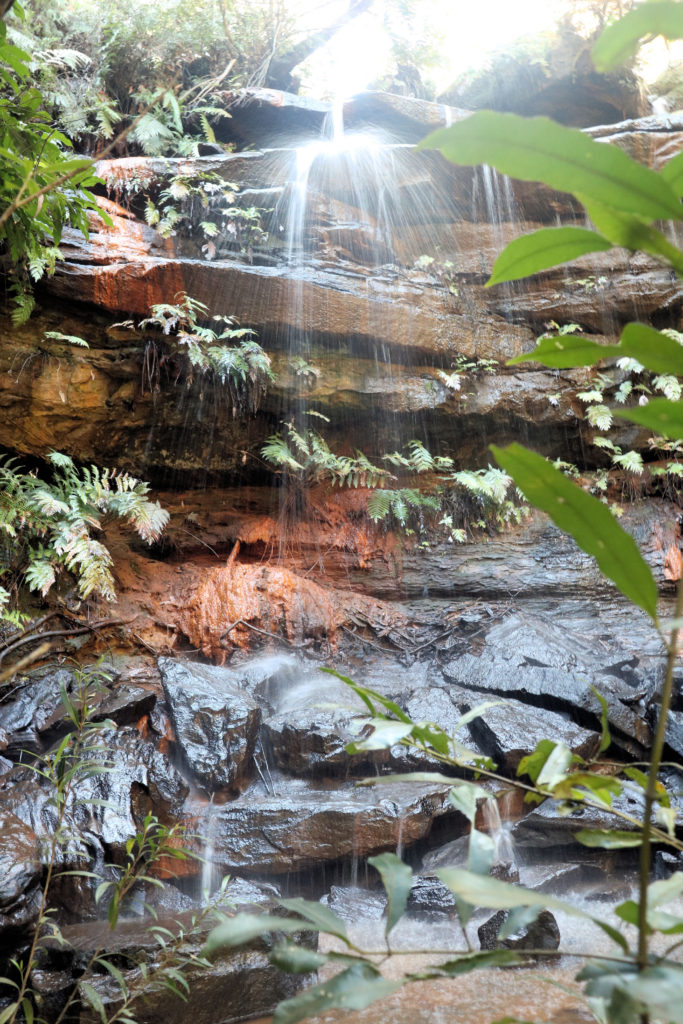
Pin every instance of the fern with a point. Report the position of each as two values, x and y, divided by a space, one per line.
52 522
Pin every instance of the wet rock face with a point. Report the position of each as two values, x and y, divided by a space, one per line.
216 723
302 827
543 933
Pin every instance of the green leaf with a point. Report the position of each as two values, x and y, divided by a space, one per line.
474 961
588 521
8 1012
481 852
297 959
605 738
235 931
464 797
656 351
672 172
660 414
320 917
665 890
353 989
608 839
397 879
543 249
621 40
538 149
633 233
555 767
385 733
627 911
92 997
484 891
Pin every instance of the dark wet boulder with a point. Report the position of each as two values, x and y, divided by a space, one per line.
354 904
543 661
429 898
20 864
301 827
546 826
509 731
316 716
542 933
216 722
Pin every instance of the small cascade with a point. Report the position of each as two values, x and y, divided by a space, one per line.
210 876
504 857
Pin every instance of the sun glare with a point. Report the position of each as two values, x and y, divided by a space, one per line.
468 32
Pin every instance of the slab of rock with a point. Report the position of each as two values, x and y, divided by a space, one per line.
20 863
511 730
430 899
306 827
216 722
546 827
541 660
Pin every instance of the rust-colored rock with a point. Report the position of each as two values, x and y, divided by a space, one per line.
230 600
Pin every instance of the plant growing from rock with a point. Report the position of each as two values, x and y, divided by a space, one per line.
244 369
80 754
47 526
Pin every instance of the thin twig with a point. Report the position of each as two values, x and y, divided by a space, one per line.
67 632
263 632
27 660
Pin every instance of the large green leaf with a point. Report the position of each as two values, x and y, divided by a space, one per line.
586 519
484 891
542 249
235 931
608 838
621 40
654 350
319 916
660 414
632 232
538 149
397 878
474 961
353 989
672 172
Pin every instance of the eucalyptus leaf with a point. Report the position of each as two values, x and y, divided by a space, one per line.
297 959
484 891
481 852
319 916
538 149
385 733
464 798
608 839
589 522
397 878
242 928
352 989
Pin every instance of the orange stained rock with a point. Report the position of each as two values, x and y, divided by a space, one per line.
271 599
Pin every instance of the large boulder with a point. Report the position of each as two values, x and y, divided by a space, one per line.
216 723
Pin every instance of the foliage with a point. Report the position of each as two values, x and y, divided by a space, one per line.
47 525
550 771
244 368
35 160
307 458
80 754
208 206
